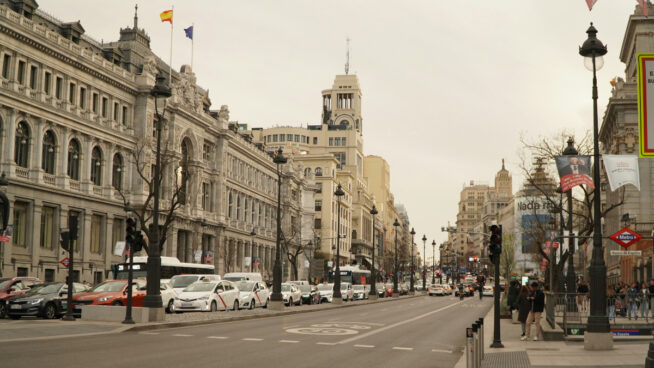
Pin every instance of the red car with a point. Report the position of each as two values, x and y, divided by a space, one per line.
113 292
10 287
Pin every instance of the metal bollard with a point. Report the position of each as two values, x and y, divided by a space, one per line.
480 342
481 323
475 346
469 347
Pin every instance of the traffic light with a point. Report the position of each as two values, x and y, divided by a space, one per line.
495 246
65 239
131 232
137 245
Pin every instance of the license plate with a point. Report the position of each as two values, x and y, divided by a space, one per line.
14 306
187 305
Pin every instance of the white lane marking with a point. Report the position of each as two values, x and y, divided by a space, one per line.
441 351
251 339
182 335
148 333
364 346
289 341
217 337
401 348
326 343
373 332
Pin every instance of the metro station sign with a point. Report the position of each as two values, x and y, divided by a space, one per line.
65 262
625 237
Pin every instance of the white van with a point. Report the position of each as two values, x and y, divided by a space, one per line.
242 276
180 282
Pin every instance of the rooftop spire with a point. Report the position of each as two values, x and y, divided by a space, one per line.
347 57
136 17
503 165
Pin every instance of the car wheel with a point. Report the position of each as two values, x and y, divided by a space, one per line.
235 305
3 310
50 311
252 305
266 305
214 307
169 308
14 317
117 302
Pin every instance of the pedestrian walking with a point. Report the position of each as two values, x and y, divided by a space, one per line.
524 306
651 296
537 299
512 298
644 301
611 301
631 298
582 298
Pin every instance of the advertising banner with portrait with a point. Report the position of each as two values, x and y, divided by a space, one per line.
573 171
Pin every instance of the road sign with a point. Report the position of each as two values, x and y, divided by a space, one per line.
65 262
626 253
625 237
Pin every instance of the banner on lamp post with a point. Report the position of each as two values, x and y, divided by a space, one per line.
621 170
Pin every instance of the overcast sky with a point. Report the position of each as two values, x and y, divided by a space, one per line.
448 86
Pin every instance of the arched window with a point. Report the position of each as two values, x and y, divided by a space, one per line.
183 172
73 159
48 154
96 166
117 172
21 148
318 171
307 171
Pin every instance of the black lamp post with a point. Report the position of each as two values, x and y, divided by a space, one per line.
160 92
395 291
337 273
4 212
373 287
571 277
598 322
424 260
433 263
276 296
412 287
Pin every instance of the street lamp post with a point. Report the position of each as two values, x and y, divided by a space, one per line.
571 277
424 261
4 212
433 262
160 92
395 291
373 280
598 333
277 300
338 298
412 287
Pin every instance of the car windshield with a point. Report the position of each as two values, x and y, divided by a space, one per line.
182 281
286 287
200 286
325 287
358 287
45 289
245 285
108 287
305 288
343 286
4 283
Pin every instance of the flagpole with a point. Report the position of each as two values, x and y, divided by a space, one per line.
170 64
192 42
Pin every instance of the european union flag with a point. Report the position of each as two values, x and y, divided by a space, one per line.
189 32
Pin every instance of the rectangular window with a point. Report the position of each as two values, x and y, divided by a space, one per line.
104 107
116 233
205 196
47 78
96 233
289 137
47 227
297 138
318 206
82 97
21 72
340 156
315 140
207 149
33 76
71 93
97 277
337 141
20 224
116 110
124 115
331 141
282 137
59 83
94 103
318 224
319 185
274 137
49 275
343 141
6 63
21 272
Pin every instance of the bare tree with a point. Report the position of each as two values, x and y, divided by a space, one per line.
507 258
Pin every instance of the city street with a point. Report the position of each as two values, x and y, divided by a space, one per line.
417 332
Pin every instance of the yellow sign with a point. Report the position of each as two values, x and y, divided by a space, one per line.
645 101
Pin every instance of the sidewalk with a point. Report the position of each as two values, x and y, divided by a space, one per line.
548 354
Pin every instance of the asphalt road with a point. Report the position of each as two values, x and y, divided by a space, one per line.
415 332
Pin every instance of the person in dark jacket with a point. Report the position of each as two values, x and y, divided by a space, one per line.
537 299
524 305
512 298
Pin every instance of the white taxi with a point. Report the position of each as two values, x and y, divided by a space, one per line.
253 294
207 296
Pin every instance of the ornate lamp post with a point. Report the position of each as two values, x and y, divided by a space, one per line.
395 291
160 92
412 288
598 333
338 298
424 261
276 298
433 263
373 269
571 277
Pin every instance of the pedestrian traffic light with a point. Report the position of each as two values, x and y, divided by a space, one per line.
65 239
131 232
137 245
495 246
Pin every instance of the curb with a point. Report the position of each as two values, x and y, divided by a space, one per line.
166 325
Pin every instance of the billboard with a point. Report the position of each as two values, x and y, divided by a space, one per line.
531 215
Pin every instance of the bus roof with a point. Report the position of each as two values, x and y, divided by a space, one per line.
354 268
172 261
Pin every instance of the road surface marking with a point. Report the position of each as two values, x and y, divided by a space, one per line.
149 333
326 343
364 346
217 337
289 341
401 348
361 336
251 339
441 351
182 335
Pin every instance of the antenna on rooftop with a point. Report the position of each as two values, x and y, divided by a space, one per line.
347 57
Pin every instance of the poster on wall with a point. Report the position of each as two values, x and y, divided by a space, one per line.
532 214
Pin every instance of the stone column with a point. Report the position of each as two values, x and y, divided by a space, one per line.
8 164
108 243
36 155
62 159
36 235
86 243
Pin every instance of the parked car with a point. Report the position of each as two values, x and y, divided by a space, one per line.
360 292
403 288
168 295
346 291
112 292
291 294
436 289
207 296
13 286
46 300
242 276
381 291
310 294
300 282
180 282
326 292
253 294
488 291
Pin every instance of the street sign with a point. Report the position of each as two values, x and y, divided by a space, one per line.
626 253
65 262
625 237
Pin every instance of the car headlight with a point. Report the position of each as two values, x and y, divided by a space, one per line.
104 299
204 297
37 301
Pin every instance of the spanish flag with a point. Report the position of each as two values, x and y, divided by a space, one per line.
167 16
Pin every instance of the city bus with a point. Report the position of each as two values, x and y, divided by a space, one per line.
352 274
170 266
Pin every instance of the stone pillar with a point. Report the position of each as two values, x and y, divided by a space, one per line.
35 155
61 160
109 246
86 243
8 164
36 237
181 246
